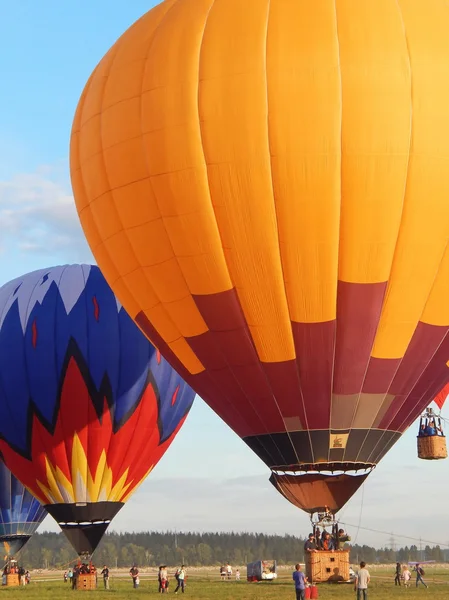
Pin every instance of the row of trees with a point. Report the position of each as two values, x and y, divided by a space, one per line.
51 550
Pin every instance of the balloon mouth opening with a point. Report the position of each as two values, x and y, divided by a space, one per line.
333 469
322 486
83 523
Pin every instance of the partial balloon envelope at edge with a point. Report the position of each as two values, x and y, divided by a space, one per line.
279 230
20 513
89 405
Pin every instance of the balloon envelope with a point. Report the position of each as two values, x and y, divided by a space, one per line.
20 513
88 404
265 185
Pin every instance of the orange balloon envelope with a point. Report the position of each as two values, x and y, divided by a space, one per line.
265 186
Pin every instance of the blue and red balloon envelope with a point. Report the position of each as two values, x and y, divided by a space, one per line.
89 406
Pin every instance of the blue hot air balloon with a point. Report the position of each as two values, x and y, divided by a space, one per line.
20 513
89 405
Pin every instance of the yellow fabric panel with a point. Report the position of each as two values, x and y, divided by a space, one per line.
166 280
376 129
82 200
158 317
121 290
105 216
137 292
93 102
122 168
183 351
304 101
173 148
121 122
144 205
91 231
436 311
233 116
76 178
425 222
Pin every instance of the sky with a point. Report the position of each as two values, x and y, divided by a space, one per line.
209 479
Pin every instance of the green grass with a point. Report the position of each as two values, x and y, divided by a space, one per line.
198 586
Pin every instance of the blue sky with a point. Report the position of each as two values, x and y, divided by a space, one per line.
48 49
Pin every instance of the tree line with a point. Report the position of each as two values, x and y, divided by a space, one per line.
51 550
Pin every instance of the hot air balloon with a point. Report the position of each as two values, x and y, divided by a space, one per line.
431 439
88 405
265 186
20 513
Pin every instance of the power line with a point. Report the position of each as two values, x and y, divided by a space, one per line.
406 537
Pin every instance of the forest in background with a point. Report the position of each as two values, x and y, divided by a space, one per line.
51 550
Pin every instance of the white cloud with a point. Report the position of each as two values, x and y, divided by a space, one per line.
38 215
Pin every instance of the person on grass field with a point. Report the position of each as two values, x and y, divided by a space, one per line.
300 582
362 580
419 575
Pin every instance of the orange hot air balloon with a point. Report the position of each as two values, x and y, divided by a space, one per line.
265 186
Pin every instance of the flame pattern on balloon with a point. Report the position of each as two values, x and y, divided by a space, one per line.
79 463
89 405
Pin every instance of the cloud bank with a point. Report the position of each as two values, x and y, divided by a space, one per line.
38 215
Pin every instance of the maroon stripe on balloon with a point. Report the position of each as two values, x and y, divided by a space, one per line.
423 345
359 307
380 374
315 348
271 387
412 373
284 382
430 383
203 384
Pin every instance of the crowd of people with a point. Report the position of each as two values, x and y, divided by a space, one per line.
180 576
403 575
164 582
361 581
226 573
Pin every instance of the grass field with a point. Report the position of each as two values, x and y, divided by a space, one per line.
202 587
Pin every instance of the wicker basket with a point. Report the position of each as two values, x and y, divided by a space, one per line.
327 566
86 582
13 580
432 447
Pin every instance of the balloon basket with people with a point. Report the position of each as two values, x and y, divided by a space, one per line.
13 574
431 438
326 558
85 575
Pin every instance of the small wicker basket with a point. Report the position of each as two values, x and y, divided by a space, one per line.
432 447
12 580
86 582
327 566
